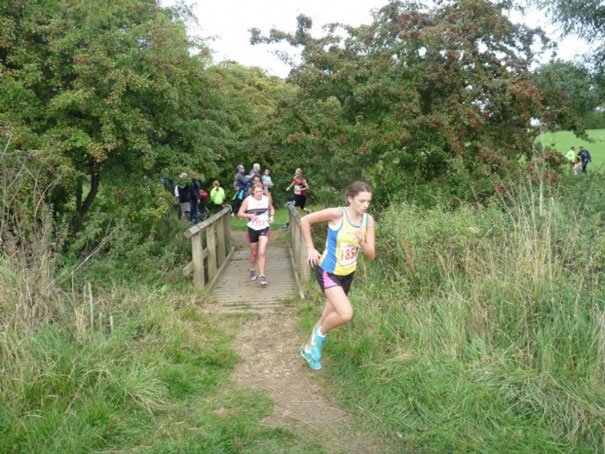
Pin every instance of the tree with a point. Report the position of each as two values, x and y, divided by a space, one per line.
433 98
108 91
250 98
572 91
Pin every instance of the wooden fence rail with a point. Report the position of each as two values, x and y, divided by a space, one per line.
298 248
210 249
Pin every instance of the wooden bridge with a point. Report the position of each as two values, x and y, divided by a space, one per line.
219 266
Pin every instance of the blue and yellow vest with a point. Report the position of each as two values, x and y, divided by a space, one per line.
340 255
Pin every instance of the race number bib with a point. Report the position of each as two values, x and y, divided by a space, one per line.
259 224
297 189
348 254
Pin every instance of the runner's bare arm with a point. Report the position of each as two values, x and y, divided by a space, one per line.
331 215
368 244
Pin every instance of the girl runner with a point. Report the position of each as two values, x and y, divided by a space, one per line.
259 211
350 229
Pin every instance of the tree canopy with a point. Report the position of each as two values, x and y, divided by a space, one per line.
421 98
574 89
431 103
107 91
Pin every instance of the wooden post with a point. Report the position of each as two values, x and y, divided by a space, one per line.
211 246
227 231
220 237
294 228
299 245
304 271
197 260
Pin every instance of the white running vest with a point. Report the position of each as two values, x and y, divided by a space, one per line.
261 209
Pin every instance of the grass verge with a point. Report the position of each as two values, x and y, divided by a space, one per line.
480 331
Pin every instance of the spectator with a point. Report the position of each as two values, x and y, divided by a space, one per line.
183 191
241 184
217 196
195 187
255 170
585 157
576 167
571 156
267 182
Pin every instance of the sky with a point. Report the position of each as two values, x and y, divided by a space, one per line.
228 22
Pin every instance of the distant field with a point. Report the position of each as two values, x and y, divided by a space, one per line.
564 140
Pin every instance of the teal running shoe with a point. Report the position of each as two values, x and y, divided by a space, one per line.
315 365
317 342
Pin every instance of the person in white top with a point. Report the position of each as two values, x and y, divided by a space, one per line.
258 209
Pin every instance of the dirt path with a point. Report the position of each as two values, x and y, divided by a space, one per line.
268 347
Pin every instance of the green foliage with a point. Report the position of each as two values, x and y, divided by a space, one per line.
108 353
594 119
153 377
248 97
425 245
154 381
105 92
421 100
572 91
137 234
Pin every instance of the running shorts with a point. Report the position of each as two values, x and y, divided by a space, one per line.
254 235
328 280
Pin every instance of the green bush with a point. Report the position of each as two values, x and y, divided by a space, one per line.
595 119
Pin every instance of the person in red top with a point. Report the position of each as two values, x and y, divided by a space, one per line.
300 191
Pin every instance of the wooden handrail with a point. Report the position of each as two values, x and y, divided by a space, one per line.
298 248
210 248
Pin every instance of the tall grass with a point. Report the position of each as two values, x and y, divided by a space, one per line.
482 330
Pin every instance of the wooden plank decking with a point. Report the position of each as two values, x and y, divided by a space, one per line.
235 293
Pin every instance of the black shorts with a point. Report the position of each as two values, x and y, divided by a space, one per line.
254 235
328 280
300 201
